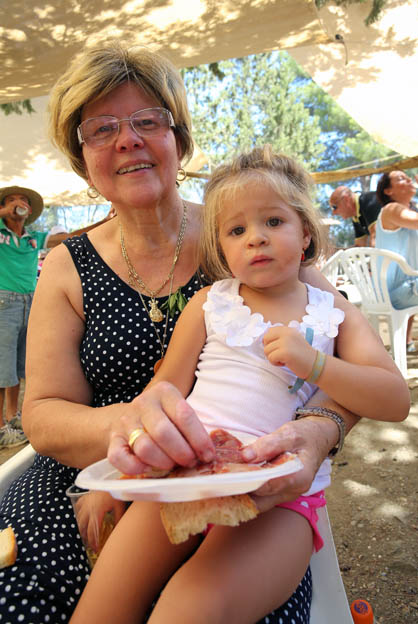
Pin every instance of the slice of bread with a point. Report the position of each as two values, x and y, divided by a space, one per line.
8 547
181 520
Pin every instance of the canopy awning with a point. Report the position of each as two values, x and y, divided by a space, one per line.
38 38
372 73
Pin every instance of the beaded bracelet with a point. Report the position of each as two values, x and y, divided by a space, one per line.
302 412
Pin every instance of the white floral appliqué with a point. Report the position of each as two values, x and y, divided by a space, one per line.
323 318
233 320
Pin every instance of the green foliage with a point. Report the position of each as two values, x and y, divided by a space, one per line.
175 302
268 98
249 101
373 16
17 107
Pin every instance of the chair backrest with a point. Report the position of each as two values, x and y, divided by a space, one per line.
367 268
331 267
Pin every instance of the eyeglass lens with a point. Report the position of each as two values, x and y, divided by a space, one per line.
103 129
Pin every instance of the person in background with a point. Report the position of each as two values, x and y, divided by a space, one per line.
361 208
19 254
397 230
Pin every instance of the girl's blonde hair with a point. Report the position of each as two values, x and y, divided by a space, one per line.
96 72
284 176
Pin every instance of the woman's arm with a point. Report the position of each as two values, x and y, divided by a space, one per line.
396 216
311 439
57 415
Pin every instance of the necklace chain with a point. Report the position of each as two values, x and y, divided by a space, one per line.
134 280
161 341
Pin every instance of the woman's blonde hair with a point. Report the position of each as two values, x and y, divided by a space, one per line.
96 72
284 176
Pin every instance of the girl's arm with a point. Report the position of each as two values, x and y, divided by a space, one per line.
358 343
363 379
189 336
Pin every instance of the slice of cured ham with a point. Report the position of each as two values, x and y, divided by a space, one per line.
228 458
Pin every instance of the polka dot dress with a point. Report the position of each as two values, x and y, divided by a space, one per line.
297 609
118 352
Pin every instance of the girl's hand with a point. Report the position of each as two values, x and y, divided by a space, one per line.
285 346
172 434
90 510
304 438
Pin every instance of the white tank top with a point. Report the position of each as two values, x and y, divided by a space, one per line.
237 388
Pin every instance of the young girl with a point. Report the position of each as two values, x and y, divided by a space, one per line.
248 336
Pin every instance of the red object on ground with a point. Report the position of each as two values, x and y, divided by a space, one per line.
362 612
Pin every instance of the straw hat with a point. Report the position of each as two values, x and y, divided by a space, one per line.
35 200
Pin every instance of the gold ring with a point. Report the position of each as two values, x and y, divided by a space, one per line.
134 436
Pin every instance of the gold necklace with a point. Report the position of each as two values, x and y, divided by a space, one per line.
154 312
161 341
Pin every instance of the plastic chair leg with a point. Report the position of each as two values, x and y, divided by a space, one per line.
399 345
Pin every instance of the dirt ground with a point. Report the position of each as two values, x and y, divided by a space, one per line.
373 508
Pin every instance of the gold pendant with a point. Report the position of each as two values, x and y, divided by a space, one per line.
155 313
157 364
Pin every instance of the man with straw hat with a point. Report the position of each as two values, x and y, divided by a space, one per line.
19 250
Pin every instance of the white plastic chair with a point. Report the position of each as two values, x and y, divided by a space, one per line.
329 601
334 272
332 267
15 466
366 268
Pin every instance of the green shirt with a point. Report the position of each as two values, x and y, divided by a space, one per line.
19 259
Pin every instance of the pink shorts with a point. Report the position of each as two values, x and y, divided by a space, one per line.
306 506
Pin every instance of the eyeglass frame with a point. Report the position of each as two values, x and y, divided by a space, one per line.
171 123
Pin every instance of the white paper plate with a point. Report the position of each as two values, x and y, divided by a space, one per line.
103 476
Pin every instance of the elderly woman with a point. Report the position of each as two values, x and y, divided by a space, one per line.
101 321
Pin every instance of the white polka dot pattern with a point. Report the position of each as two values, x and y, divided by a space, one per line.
117 353
119 348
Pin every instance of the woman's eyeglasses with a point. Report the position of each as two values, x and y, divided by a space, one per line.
103 130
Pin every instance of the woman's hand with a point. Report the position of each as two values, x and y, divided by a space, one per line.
172 433
90 510
306 438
